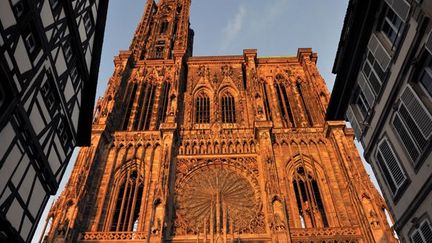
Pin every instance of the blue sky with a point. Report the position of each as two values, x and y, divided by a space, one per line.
226 27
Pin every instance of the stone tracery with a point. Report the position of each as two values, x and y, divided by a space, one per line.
218 196
219 200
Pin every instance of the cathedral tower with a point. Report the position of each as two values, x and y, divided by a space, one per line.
215 149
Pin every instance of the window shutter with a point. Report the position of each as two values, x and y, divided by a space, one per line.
353 120
379 52
370 97
426 231
406 139
416 237
392 163
417 111
429 43
400 7
423 234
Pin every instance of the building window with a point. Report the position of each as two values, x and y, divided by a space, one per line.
309 200
128 194
19 8
266 102
426 74
373 72
202 108
374 69
284 105
362 103
145 106
74 75
390 166
412 122
352 118
303 103
422 234
64 134
132 88
48 94
88 22
30 42
391 26
54 3
67 49
228 108
164 99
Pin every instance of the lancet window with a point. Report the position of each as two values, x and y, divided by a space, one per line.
228 108
145 106
163 105
129 100
284 105
303 103
309 201
202 108
127 201
266 102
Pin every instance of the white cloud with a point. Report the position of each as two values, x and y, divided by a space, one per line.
273 11
233 27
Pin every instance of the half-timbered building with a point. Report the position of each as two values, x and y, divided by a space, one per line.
49 59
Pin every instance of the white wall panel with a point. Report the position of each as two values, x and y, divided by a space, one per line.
21 57
36 120
14 214
37 198
6 135
60 63
9 166
6 14
69 90
53 160
26 186
46 14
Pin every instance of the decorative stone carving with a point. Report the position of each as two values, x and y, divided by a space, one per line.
217 198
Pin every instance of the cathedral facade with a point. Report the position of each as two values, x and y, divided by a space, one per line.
215 149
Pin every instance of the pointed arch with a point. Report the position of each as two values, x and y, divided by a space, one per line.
304 178
163 102
129 101
283 101
145 106
228 107
202 107
127 195
301 92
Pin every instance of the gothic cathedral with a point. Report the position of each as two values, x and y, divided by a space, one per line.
215 149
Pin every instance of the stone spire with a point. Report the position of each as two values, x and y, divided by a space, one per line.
163 30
